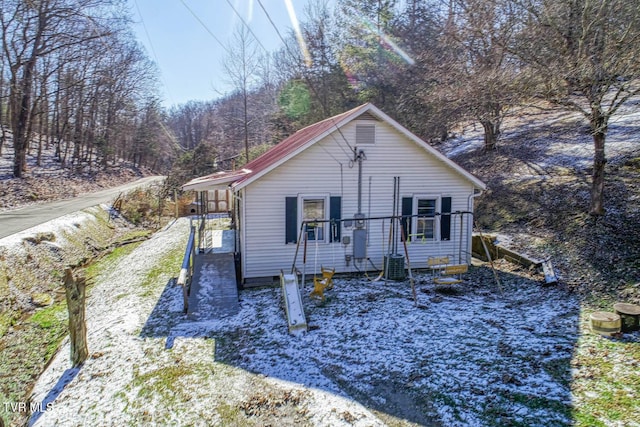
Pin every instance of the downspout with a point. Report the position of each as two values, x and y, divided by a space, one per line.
359 158
476 192
236 217
238 204
369 209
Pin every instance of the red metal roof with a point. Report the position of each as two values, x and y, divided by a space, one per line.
300 140
275 154
294 142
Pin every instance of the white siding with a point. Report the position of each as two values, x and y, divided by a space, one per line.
327 167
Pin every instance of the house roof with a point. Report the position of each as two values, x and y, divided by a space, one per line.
304 138
217 179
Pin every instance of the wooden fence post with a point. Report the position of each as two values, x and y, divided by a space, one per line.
175 203
75 289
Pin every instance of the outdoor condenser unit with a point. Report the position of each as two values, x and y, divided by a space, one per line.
394 266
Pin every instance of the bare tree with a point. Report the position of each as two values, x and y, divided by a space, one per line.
424 104
475 70
583 55
32 31
126 77
241 67
193 123
152 144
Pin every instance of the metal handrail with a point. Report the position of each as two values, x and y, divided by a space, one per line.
202 225
186 272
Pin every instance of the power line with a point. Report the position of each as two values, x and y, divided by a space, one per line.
247 26
153 50
204 26
275 27
309 83
266 51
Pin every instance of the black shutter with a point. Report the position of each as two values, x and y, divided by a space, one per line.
407 211
291 220
335 212
445 219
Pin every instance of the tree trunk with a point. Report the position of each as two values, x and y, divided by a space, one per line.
19 155
491 132
2 107
76 159
107 136
39 153
21 94
597 184
2 137
245 123
75 291
43 123
598 124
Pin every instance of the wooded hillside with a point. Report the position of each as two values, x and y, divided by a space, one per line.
73 75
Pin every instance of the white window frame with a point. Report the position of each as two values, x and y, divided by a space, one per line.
436 218
325 225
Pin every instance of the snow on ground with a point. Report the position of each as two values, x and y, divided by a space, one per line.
467 357
59 227
555 143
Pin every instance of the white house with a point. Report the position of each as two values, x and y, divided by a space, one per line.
350 173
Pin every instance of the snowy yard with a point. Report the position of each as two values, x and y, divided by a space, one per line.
467 357
473 356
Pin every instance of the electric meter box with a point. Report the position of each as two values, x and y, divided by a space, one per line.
360 243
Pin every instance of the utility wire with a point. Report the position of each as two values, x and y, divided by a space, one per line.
153 50
246 26
310 84
204 26
308 81
275 27
267 52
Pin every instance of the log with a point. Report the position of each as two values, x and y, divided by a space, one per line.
629 316
605 323
75 290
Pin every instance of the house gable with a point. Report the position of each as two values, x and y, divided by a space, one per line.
366 116
332 128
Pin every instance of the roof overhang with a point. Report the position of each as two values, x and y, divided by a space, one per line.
216 181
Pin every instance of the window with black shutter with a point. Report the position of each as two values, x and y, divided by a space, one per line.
291 220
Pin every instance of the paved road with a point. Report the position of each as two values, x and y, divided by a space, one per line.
14 221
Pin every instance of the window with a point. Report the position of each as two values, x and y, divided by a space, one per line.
309 208
426 219
314 209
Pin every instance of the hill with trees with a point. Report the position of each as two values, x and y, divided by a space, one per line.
538 98
74 80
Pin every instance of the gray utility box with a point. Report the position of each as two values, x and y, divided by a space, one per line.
359 243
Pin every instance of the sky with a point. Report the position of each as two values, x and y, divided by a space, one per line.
185 37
